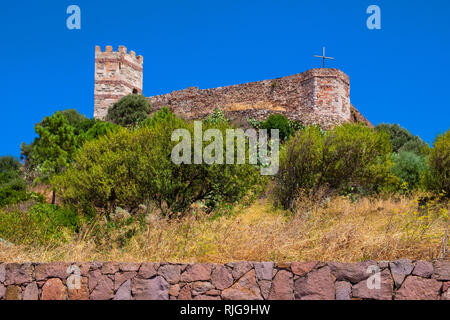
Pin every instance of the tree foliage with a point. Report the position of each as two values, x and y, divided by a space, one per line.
437 178
403 140
348 156
130 110
127 167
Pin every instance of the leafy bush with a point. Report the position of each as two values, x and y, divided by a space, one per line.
8 163
437 178
43 224
79 122
127 167
409 168
130 110
348 156
100 128
60 135
403 140
280 122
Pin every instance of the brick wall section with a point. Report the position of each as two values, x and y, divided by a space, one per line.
316 96
117 74
402 279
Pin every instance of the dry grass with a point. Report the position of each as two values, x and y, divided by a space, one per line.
339 231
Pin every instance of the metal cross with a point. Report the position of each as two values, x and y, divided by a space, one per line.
324 57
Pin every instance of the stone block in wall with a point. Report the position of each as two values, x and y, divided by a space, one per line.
246 288
417 288
316 285
362 290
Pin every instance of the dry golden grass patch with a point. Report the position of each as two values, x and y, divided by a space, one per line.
339 230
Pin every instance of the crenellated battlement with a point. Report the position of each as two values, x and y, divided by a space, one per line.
121 53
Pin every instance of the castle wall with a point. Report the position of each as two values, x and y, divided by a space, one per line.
397 280
317 96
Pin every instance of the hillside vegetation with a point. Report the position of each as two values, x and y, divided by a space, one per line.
94 190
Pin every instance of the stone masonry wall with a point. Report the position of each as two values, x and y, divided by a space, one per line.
117 74
317 96
399 280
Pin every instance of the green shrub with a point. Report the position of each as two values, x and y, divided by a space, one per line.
347 157
130 110
437 178
403 140
127 167
43 224
100 128
8 163
280 122
409 167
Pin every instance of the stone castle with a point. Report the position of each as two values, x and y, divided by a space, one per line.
316 96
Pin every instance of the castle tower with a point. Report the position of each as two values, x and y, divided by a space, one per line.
327 93
117 74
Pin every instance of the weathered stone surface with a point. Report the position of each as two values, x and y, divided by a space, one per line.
174 290
445 286
317 285
205 297
54 289
196 272
152 289
221 277
284 265
124 292
264 270
302 268
110 267
442 270
282 286
18 273
31 292
400 269
240 268
201 287
213 292
94 277
129 266
417 288
185 293
343 290
104 289
445 291
361 290
121 277
2 291
245 289
51 270
264 286
170 272
2 273
353 272
81 293
148 270
13 293
423 269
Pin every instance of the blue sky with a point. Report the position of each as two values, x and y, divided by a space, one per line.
398 74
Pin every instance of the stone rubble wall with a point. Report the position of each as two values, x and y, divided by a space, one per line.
316 96
399 280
